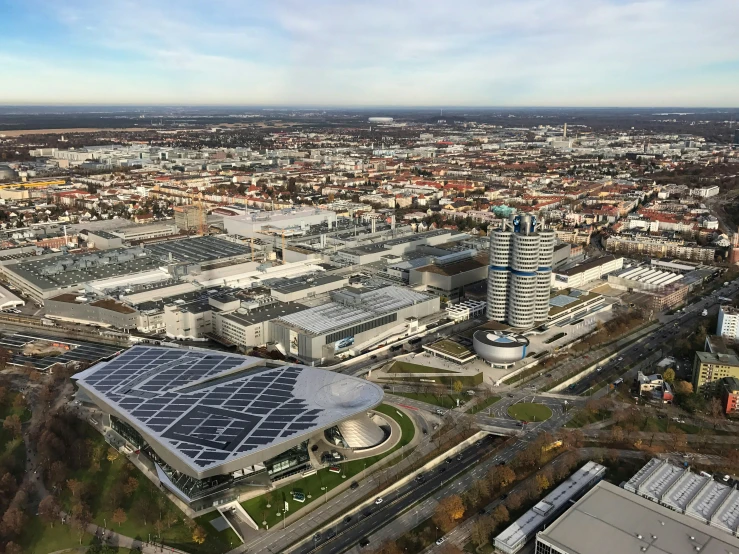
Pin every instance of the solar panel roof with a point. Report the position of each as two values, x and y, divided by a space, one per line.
207 413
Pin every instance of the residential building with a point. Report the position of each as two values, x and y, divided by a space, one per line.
710 368
728 323
730 395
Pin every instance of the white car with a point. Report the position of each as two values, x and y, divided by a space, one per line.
378 500
439 541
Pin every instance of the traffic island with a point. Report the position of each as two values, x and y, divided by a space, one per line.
529 411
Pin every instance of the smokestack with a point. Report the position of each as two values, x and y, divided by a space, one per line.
374 225
392 222
564 133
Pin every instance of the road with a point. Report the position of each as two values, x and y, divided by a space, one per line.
674 327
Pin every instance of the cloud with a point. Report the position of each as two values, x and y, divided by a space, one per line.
383 52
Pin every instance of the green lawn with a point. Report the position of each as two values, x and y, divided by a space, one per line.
311 485
484 405
585 417
528 411
443 401
407 367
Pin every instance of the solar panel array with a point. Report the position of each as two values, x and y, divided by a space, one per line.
207 422
79 351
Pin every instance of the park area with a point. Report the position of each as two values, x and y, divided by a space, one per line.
529 411
266 509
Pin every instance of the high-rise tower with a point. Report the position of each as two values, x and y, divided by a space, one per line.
520 271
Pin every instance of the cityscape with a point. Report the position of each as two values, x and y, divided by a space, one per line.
369 278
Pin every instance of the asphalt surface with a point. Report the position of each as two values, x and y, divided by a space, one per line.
674 327
349 532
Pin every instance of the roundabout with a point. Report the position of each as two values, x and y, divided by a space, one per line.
529 411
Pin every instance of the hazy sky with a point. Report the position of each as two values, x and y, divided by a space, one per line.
378 52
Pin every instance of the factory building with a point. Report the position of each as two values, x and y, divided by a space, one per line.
449 275
292 221
585 272
356 318
520 270
609 519
515 537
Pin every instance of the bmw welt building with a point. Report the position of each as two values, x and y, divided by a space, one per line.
208 421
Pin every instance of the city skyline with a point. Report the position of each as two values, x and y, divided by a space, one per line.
526 53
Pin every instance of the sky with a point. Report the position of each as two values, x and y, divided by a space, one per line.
371 53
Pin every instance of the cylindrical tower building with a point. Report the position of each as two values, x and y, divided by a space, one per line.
520 271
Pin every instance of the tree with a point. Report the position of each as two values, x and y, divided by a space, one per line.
501 477
119 516
130 486
13 522
500 515
48 509
13 548
716 410
617 434
449 548
458 386
198 535
448 512
514 501
112 454
75 487
12 424
683 387
542 483
669 375
480 532
81 518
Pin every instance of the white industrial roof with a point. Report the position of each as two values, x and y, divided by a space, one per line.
337 315
531 521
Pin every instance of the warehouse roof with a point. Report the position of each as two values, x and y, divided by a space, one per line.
610 520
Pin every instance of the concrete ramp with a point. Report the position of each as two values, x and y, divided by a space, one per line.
237 519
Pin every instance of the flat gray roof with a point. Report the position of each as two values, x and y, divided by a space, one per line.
197 249
304 283
264 313
610 520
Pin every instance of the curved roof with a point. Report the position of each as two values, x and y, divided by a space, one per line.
361 432
208 413
501 339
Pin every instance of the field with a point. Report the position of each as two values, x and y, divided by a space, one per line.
527 411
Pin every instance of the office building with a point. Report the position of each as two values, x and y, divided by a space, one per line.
610 520
208 422
356 318
710 368
515 536
728 323
519 274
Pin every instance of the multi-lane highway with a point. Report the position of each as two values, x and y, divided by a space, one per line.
674 326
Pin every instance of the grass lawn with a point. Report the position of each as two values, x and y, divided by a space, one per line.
484 405
472 549
585 417
443 401
407 367
528 411
311 485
